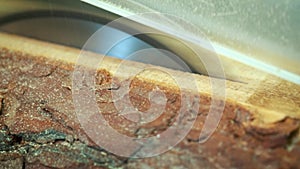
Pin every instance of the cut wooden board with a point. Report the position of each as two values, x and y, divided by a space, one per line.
271 96
260 120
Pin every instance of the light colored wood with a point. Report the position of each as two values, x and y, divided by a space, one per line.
271 99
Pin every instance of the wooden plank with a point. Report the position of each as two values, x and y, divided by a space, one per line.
261 116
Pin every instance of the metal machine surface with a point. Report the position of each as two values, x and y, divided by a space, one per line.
73 23
261 34
240 31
